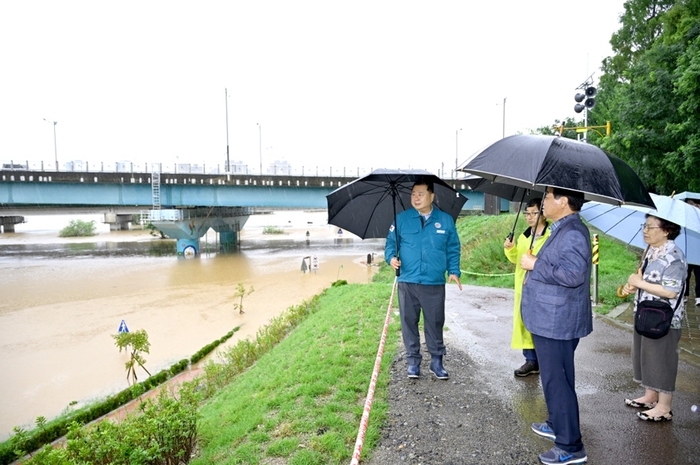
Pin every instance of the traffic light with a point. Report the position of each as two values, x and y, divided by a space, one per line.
588 99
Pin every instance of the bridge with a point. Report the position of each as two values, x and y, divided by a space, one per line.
182 204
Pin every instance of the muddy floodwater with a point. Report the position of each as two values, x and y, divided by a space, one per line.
62 299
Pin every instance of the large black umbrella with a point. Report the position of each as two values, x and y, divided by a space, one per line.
505 191
502 190
367 206
536 161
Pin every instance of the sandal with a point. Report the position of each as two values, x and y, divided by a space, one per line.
645 417
635 404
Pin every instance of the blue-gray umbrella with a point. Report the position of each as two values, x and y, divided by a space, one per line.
625 222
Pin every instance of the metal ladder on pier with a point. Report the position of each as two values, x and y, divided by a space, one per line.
155 189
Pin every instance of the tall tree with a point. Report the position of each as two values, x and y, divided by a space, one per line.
650 92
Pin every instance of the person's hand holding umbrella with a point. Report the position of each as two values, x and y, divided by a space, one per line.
633 282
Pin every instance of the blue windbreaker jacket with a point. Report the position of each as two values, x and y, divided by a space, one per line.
426 252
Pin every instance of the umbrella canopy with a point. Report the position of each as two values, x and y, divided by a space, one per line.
504 191
533 161
688 195
367 206
625 223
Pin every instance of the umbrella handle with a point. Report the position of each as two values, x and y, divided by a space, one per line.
620 293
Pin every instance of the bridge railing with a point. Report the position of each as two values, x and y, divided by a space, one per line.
84 166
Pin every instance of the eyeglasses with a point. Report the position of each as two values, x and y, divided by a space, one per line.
532 213
646 226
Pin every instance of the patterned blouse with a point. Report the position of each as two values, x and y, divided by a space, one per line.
665 265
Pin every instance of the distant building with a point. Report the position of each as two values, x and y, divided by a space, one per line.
280 168
238 167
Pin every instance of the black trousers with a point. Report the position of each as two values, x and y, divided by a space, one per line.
693 269
431 299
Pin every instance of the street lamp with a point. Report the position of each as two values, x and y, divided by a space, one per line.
457 150
260 145
55 149
504 118
228 163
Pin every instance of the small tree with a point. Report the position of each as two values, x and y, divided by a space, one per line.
240 293
153 231
135 343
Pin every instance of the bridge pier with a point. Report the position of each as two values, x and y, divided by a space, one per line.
118 222
7 223
189 225
187 248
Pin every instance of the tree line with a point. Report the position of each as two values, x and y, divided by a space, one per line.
649 90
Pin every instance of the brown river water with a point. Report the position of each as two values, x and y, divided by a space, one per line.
62 299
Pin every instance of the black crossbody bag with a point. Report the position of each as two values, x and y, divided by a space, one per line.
653 317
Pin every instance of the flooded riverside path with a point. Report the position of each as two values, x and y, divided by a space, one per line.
64 298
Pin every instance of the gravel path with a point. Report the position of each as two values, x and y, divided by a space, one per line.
452 422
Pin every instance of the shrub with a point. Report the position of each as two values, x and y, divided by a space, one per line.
272 230
163 432
78 228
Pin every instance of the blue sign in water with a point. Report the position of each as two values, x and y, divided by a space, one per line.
123 328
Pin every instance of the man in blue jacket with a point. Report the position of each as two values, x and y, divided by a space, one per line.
556 309
428 247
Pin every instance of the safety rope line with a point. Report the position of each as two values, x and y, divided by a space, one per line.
373 383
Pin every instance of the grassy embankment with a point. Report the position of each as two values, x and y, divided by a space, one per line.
302 401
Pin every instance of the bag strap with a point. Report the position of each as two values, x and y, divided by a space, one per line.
679 299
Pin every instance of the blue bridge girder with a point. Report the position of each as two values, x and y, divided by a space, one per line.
24 191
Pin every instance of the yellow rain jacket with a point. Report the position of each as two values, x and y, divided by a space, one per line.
522 339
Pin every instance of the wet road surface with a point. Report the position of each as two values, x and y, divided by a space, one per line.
482 415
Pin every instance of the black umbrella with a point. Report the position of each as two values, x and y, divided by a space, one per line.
368 206
502 190
505 191
536 161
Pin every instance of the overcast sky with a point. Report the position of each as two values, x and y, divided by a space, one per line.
374 84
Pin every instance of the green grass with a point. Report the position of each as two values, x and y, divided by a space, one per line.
484 263
303 400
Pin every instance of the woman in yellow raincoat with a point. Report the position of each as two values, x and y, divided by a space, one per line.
522 339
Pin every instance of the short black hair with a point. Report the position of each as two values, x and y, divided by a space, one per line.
535 202
574 198
423 181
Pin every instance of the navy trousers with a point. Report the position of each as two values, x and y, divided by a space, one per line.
413 298
557 375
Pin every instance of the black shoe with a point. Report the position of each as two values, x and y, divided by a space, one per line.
528 368
437 369
413 371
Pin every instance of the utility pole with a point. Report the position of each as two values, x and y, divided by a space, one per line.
228 162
